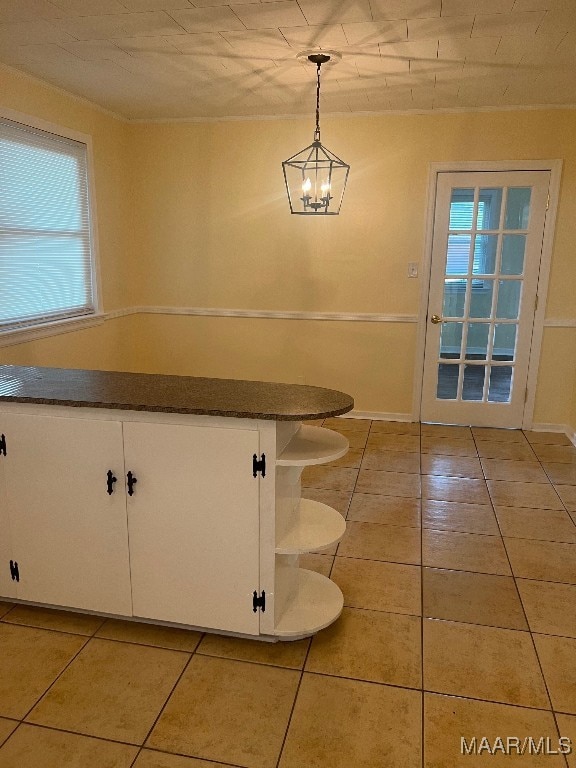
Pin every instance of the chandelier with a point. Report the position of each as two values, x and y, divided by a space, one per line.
315 178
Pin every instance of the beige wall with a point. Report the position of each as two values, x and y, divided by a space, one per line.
352 357
104 347
195 215
213 230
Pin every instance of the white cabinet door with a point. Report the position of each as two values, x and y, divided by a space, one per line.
7 584
69 536
194 525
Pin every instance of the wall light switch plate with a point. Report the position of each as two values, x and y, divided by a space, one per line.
412 269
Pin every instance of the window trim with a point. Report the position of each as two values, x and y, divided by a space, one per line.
63 325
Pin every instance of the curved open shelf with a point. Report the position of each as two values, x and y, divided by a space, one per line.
318 603
313 445
317 527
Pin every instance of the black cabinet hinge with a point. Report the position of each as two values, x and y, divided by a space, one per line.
259 602
259 466
2 445
14 572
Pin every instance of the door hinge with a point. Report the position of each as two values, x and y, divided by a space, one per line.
536 303
14 572
526 394
259 602
548 201
259 466
2 445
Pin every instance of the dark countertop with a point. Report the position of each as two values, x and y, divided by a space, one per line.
170 394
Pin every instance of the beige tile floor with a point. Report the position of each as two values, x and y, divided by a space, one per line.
459 575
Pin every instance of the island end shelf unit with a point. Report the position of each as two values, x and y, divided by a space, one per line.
167 499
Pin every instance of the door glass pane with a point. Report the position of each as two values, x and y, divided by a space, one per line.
473 385
481 298
504 341
477 341
489 205
485 247
454 297
461 208
518 208
500 384
458 254
451 340
447 387
513 247
509 299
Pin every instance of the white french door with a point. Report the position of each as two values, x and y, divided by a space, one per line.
486 252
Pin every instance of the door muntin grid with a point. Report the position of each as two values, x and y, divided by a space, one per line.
482 295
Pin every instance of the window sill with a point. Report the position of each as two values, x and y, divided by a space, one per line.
41 331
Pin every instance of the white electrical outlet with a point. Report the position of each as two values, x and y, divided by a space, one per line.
412 269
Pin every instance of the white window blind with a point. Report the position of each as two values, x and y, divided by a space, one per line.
460 219
45 244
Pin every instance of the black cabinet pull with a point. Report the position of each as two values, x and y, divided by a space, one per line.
131 483
110 482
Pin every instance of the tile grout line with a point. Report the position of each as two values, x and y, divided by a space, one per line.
137 643
293 707
349 503
277 764
526 619
58 729
422 704
209 761
532 633
163 707
39 699
70 733
435 690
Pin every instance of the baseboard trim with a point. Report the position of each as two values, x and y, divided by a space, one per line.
565 429
542 427
377 416
562 429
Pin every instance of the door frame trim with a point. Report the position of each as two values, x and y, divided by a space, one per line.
555 169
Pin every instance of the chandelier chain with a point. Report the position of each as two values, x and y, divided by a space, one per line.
317 131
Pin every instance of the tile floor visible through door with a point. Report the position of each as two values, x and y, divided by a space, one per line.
458 569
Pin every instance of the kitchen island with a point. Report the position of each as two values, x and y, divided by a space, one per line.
170 499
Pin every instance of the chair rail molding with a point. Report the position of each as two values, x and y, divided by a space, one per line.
361 317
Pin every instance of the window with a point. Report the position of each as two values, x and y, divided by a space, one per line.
461 213
461 239
46 265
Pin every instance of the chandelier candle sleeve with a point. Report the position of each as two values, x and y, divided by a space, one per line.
315 177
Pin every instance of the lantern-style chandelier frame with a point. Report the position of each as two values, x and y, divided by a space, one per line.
315 177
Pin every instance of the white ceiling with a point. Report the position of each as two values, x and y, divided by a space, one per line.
211 58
